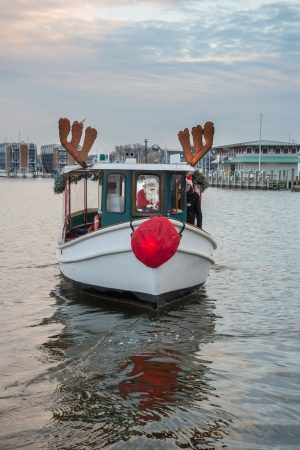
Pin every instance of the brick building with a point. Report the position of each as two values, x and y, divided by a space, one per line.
18 157
54 157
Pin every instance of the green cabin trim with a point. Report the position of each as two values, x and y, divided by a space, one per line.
84 218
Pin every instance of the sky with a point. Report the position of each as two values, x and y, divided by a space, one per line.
146 69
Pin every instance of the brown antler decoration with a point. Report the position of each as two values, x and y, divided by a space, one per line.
72 146
200 149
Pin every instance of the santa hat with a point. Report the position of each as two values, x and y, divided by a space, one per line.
189 180
151 180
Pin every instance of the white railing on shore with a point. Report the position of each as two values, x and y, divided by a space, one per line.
252 179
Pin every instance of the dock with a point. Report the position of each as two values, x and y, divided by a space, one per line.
252 180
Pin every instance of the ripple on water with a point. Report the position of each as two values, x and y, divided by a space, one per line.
219 371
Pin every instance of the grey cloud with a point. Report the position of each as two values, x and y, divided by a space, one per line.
224 64
269 31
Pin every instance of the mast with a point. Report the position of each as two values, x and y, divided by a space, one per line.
259 155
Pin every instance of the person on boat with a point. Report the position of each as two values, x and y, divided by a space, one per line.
148 197
194 212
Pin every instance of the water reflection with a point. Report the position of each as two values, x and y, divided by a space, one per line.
130 375
61 372
153 377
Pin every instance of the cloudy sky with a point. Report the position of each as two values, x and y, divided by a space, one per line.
137 69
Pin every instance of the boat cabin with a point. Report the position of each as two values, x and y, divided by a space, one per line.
111 193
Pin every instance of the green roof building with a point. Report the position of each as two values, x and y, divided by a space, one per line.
278 159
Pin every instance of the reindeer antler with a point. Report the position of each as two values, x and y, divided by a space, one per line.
72 146
200 149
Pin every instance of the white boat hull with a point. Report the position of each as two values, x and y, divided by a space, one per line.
103 261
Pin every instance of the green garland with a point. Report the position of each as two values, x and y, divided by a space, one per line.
59 183
201 179
75 178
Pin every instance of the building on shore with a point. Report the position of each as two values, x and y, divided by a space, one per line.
277 159
173 155
18 157
207 163
54 157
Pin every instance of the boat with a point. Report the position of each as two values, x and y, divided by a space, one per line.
296 187
124 233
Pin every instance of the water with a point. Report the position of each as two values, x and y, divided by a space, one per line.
220 371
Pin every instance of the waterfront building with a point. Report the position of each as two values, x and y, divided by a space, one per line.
173 156
277 159
54 157
207 163
18 157
92 159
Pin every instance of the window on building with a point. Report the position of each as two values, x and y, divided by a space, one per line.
277 150
285 150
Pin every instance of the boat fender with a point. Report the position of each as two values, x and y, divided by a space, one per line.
96 222
155 241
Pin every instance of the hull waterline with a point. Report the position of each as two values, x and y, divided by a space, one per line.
136 298
104 263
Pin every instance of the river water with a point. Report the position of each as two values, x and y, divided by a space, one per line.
221 370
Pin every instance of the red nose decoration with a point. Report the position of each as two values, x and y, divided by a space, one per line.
155 241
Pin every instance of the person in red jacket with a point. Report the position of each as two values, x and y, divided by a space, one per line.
148 197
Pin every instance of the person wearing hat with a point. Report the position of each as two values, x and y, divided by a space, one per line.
148 196
194 212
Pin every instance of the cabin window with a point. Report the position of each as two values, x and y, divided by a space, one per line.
94 191
77 183
115 193
176 194
148 191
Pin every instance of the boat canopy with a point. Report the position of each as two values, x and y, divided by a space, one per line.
182 167
122 192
